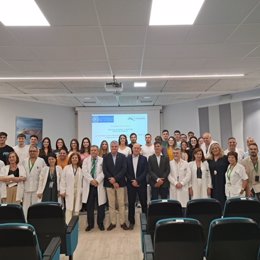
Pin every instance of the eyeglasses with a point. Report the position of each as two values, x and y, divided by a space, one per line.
32 151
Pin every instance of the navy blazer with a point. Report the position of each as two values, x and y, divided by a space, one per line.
156 172
141 171
118 170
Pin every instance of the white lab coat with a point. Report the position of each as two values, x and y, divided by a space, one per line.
44 177
180 172
67 187
87 178
20 185
233 186
32 177
200 186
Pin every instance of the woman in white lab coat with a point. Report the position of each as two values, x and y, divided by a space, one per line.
179 178
236 177
71 185
49 183
200 176
13 177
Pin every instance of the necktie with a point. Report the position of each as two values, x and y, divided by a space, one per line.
93 168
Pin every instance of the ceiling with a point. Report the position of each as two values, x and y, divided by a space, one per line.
102 38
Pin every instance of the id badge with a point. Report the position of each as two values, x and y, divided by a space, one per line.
51 185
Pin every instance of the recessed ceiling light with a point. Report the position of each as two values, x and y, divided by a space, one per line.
21 13
87 98
140 84
174 12
146 97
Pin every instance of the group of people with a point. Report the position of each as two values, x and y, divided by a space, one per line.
180 167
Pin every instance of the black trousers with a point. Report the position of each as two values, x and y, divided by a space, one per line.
132 193
91 203
161 192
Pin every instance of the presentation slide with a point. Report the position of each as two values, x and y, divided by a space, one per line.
110 126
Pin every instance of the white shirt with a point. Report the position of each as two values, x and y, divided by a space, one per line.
158 160
126 151
22 152
135 162
239 151
147 150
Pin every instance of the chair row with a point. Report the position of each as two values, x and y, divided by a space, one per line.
203 210
48 220
183 239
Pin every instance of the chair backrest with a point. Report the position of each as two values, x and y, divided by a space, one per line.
49 221
11 213
243 207
179 238
161 209
233 239
204 210
18 241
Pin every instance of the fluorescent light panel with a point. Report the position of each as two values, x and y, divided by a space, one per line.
174 12
140 84
21 13
155 77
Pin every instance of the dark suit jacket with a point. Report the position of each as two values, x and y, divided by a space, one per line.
156 172
118 170
141 171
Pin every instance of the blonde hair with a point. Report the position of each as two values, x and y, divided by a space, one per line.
221 154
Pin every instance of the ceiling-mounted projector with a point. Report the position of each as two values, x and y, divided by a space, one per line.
114 86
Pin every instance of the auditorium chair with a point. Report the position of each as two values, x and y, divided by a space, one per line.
243 207
49 221
204 210
233 239
175 239
19 241
11 213
157 210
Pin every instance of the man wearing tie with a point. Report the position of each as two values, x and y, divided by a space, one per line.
159 169
114 168
93 188
137 168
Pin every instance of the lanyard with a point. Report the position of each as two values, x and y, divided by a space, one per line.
229 171
256 167
30 165
74 170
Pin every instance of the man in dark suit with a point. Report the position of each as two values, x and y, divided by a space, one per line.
137 168
114 168
159 169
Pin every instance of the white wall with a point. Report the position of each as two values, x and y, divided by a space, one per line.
183 117
58 121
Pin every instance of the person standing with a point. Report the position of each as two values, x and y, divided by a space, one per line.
21 149
70 186
148 147
4 148
200 176
137 168
14 174
33 166
49 183
206 145
158 169
232 147
114 168
179 177
218 164
133 140
46 149
236 177
93 191
252 166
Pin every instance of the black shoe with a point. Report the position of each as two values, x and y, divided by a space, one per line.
111 226
88 228
131 226
101 227
124 226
